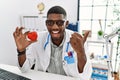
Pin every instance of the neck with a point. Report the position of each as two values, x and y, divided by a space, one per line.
57 42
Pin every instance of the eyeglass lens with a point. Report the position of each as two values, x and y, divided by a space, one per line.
52 22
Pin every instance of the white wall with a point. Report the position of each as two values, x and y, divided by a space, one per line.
10 13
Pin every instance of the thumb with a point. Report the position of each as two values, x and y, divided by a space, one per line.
86 35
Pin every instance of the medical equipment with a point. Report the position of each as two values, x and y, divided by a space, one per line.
108 40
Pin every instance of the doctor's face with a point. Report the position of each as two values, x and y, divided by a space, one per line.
56 25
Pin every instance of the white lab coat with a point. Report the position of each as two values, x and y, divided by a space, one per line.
39 54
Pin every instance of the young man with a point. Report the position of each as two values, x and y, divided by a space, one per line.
57 50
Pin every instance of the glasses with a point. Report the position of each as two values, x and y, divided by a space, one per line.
52 22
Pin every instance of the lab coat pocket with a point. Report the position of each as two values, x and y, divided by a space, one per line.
69 58
70 64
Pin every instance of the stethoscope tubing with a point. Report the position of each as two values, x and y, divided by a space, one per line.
47 41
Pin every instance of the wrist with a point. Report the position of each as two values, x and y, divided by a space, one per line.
21 52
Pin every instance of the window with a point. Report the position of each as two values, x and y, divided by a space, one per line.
91 11
106 12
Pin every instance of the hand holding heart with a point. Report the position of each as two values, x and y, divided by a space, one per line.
77 42
21 38
32 36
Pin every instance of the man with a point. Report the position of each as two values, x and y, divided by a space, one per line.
57 50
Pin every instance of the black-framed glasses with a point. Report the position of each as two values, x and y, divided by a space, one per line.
57 22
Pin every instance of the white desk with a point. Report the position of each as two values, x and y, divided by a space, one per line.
36 75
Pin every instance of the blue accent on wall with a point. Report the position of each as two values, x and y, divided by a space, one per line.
73 27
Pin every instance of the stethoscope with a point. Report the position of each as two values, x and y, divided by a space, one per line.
47 41
69 58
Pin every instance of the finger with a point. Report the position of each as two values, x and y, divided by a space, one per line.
73 38
86 35
77 35
26 33
72 41
16 32
20 30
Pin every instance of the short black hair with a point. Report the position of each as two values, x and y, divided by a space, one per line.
56 10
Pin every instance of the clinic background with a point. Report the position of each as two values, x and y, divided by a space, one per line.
10 13
13 10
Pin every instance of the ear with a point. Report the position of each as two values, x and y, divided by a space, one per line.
66 23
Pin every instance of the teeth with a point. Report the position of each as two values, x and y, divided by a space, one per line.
55 31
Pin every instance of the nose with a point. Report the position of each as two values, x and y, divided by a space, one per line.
55 26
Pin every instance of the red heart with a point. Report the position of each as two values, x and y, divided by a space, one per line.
32 36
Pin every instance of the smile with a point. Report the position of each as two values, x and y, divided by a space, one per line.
55 32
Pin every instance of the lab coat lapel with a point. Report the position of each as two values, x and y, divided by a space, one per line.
47 53
70 69
67 40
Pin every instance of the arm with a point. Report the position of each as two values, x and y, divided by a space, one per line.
22 43
21 57
77 42
81 62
